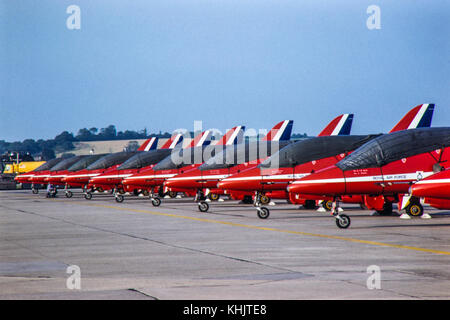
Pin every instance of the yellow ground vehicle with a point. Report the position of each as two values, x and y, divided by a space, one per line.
12 164
21 167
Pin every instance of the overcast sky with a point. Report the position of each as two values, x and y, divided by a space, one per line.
163 64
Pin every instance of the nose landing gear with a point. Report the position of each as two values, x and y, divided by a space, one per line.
342 220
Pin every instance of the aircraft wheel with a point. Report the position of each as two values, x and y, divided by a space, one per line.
213 196
327 205
343 221
69 194
119 198
203 206
264 199
88 196
156 202
172 194
262 212
35 191
415 209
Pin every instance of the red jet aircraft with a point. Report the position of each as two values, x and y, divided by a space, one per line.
198 179
42 169
112 178
167 168
153 179
385 166
81 177
434 190
301 159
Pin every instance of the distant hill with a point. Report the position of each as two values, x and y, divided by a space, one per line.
108 146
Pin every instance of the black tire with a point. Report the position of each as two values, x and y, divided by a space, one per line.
263 213
35 191
327 205
203 206
172 194
69 194
156 202
88 196
343 222
414 209
119 198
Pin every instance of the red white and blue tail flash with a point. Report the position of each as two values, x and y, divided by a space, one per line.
418 117
281 131
339 126
149 144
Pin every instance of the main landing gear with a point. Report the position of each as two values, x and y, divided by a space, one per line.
414 208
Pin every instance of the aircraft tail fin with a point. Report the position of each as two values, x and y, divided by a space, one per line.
233 136
339 126
174 140
202 139
149 144
418 117
281 131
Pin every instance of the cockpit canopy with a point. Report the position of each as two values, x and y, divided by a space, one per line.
395 146
48 165
85 162
67 163
144 159
111 160
242 153
316 148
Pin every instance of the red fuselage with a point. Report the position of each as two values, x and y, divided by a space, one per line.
196 179
81 178
112 178
40 177
25 177
391 179
277 179
435 186
148 179
56 177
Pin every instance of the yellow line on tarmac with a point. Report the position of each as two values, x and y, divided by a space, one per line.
375 243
